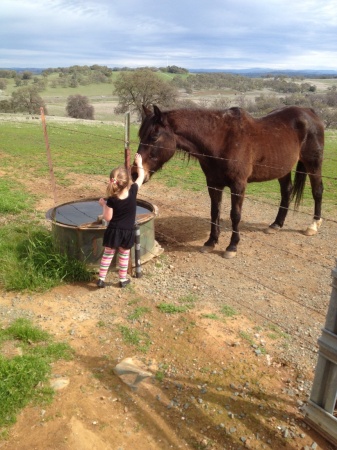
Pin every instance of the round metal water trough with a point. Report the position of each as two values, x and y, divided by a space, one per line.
78 230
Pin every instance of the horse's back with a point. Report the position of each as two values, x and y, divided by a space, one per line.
297 117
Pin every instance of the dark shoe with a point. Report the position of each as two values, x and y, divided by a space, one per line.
100 284
123 284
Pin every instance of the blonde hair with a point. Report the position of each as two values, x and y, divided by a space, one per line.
119 180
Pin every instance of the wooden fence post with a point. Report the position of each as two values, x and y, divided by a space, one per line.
50 163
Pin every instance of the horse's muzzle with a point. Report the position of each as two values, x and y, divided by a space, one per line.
134 174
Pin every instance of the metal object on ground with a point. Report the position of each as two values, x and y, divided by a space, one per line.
321 410
137 252
78 230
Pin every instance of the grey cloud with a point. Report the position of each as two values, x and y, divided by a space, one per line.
214 34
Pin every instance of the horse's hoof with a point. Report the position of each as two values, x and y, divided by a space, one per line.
229 255
272 230
310 232
206 249
313 228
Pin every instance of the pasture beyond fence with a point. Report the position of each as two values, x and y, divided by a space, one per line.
322 401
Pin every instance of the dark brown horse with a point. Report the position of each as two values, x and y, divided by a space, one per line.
234 149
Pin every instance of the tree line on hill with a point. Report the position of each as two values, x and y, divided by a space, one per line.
73 76
145 86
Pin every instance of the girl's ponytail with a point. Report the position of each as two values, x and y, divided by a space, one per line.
119 180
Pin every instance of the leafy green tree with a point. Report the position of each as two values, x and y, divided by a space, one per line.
175 69
40 83
78 107
3 84
6 73
331 97
27 75
265 103
27 99
329 117
142 87
6 106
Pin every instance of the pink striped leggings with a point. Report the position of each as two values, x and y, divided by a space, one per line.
123 262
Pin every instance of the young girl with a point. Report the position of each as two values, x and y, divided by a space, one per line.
120 210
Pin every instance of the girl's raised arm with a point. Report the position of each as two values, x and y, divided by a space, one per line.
140 169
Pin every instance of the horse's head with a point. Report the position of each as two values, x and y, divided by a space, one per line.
157 142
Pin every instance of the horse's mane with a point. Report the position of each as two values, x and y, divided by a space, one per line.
149 121
191 115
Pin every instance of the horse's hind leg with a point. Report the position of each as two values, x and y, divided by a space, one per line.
317 193
237 197
286 187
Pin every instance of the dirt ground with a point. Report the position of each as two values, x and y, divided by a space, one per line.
213 381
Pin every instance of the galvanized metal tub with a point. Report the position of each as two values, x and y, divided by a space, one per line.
78 230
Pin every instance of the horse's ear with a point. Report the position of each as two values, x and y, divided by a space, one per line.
146 111
158 115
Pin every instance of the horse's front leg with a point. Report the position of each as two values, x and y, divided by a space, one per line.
216 200
237 196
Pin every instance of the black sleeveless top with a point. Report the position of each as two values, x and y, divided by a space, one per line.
120 231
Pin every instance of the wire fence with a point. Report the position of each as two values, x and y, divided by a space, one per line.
59 148
244 283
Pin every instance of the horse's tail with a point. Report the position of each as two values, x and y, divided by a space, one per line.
299 183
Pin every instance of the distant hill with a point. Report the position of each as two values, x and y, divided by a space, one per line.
252 73
258 72
24 69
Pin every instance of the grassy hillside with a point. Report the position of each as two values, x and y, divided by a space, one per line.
104 101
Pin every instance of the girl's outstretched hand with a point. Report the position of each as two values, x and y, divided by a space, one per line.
138 160
140 169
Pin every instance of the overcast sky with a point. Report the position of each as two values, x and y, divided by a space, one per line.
212 34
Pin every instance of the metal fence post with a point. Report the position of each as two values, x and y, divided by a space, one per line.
127 162
127 141
137 252
320 413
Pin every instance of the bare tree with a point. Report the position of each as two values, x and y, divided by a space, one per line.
78 107
142 87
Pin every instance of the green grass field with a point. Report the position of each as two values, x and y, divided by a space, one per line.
101 95
86 149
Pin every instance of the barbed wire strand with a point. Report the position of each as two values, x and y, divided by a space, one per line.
257 281
222 226
246 305
203 155
228 229
248 198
